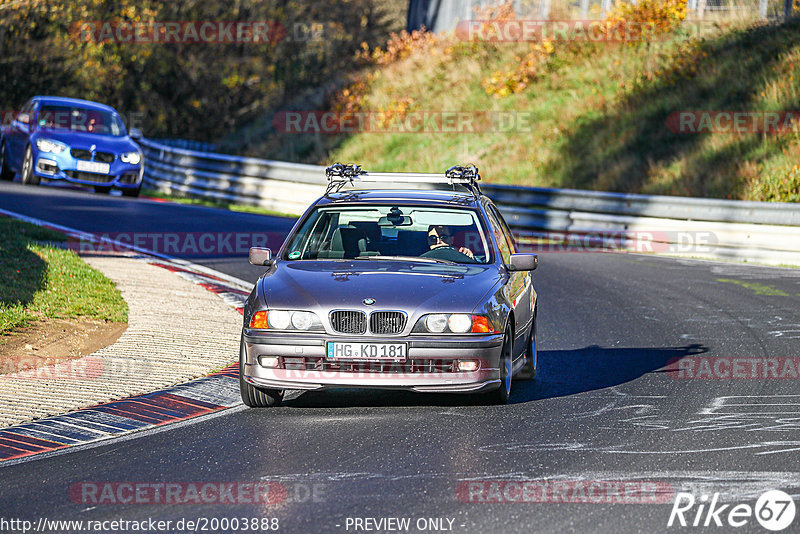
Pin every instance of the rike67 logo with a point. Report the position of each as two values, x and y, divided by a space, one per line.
774 510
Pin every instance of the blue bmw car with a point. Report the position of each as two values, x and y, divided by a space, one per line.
72 140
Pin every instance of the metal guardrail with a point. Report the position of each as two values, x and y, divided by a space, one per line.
762 232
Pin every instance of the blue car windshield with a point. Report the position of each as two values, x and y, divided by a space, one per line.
77 119
415 233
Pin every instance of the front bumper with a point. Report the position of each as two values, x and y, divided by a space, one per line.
427 368
64 166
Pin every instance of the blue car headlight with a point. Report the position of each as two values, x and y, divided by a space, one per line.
131 157
48 145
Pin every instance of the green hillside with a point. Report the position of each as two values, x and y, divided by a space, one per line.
600 115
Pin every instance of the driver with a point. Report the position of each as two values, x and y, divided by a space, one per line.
440 241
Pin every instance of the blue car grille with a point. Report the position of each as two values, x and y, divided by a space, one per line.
90 177
102 157
349 322
79 153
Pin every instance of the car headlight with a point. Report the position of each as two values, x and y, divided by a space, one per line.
47 145
131 157
297 320
459 322
454 323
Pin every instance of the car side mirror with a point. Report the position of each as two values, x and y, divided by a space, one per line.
135 134
523 262
260 256
24 118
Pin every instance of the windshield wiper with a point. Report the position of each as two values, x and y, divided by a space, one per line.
406 258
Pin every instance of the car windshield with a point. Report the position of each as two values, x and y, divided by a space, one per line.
77 119
424 234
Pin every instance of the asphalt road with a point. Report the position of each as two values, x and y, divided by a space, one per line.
601 409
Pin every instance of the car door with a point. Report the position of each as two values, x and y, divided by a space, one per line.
17 136
517 289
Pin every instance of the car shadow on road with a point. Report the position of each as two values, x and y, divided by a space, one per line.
561 373
567 372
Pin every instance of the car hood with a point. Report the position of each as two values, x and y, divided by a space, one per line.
103 143
416 288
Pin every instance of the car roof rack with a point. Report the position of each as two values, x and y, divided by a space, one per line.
340 174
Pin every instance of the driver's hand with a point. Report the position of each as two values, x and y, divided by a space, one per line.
468 252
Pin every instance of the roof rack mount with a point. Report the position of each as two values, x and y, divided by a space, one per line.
340 175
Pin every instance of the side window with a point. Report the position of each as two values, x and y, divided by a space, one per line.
499 236
506 230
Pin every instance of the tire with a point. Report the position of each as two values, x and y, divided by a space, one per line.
502 394
102 189
256 397
28 177
5 171
133 193
528 370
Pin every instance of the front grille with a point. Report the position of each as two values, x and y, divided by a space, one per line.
387 322
79 153
104 157
416 366
90 177
349 322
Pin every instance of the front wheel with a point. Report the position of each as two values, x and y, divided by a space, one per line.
501 394
28 176
253 396
5 171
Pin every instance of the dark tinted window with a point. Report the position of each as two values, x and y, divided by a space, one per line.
79 119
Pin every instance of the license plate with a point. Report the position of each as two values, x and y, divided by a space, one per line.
93 166
367 351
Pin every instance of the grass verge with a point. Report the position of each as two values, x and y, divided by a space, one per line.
40 280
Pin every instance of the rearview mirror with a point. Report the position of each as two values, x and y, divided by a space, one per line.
260 256
24 118
135 134
523 262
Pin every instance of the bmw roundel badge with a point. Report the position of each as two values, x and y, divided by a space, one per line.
368 302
